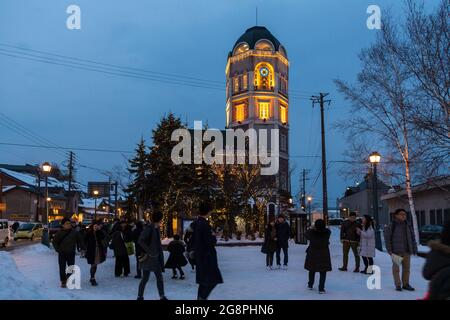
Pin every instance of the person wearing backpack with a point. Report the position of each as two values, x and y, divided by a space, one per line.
152 259
65 243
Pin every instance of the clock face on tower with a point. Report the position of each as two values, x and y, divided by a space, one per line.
264 71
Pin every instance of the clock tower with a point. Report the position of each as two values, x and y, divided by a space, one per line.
257 75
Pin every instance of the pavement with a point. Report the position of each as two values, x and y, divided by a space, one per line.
19 244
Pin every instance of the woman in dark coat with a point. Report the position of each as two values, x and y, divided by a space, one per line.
187 240
138 250
203 244
437 266
318 254
120 251
176 258
270 244
95 249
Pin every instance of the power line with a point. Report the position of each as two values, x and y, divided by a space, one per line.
63 148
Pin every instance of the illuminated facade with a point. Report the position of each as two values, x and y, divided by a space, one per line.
257 75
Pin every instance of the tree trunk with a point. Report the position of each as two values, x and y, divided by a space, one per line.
411 201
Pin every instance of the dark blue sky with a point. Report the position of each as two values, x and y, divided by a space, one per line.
79 108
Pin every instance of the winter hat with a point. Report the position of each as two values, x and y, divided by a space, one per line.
445 235
64 220
157 216
319 224
204 208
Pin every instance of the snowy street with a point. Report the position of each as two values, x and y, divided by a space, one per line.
243 269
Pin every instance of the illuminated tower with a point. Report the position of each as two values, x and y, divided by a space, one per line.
257 74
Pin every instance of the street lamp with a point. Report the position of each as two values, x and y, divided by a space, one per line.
46 169
95 204
375 159
309 198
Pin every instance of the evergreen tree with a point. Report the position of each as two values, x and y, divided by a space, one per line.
139 168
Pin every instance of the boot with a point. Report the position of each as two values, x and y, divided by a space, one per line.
63 284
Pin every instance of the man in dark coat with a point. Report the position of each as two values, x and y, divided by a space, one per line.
118 240
318 257
437 266
176 258
350 240
138 250
65 243
283 234
400 241
150 242
203 244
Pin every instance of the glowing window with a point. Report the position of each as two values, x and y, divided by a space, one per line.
236 84
244 82
241 48
264 45
264 110
283 114
240 112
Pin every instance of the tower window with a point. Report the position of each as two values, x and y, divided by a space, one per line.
283 142
244 82
283 114
239 112
264 110
236 84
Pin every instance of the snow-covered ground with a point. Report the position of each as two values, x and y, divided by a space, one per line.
34 275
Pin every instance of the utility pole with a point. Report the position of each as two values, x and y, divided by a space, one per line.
320 99
109 195
303 197
115 200
70 168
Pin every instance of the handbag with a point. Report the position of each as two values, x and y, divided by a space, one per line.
130 248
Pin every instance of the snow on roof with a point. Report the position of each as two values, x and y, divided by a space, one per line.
25 178
7 188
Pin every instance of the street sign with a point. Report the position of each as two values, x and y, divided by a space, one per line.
3 206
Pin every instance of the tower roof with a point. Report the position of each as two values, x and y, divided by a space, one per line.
252 35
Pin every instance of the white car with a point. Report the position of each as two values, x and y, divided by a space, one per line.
5 232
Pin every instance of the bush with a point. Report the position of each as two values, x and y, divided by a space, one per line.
238 235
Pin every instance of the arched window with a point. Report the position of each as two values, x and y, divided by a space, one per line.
242 47
283 52
264 76
264 45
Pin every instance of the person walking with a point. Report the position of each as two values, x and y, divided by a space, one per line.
208 275
118 239
65 243
400 244
350 240
270 244
283 235
318 257
367 243
176 259
138 250
152 259
187 240
437 266
95 250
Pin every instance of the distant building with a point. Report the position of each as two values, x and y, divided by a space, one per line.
22 192
431 201
359 199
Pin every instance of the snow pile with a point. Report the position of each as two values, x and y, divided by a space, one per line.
13 284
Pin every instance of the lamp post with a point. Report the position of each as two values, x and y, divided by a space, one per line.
95 204
375 159
309 198
46 169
